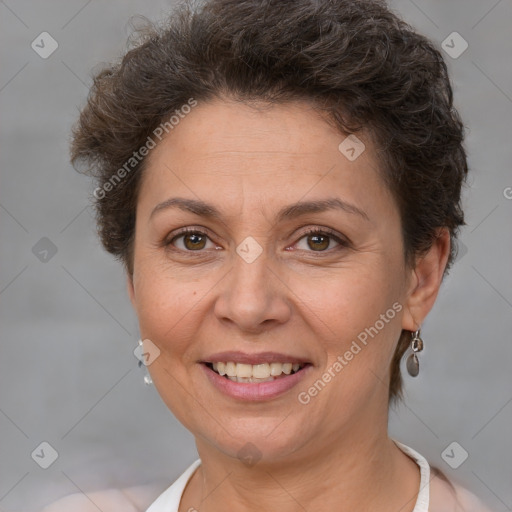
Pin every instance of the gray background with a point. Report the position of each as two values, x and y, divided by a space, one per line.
68 375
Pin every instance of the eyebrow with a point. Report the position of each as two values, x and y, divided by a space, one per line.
292 211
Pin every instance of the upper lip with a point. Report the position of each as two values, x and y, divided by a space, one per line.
257 358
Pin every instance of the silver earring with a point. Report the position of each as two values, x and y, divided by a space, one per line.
147 378
413 365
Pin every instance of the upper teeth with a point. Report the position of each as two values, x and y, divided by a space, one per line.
258 371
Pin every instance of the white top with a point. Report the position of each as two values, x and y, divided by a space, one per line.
170 499
435 495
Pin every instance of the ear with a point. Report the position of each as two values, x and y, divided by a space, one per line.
130 288
425 281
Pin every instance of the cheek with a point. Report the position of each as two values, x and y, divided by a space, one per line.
356 320
345 302
165 309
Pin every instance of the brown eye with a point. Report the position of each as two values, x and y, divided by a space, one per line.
194 241
190 241
319 240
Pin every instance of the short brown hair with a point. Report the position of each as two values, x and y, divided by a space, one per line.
354 59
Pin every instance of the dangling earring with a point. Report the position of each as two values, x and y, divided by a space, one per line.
147 378
413 365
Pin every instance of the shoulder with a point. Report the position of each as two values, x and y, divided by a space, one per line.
130 499
448 496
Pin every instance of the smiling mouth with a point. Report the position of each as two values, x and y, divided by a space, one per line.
255 373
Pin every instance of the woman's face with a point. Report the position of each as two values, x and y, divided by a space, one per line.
253 282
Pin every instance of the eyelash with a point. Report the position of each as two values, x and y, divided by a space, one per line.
168 243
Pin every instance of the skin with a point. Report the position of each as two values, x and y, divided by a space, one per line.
301 296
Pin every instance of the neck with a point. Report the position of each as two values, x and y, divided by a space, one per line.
355 471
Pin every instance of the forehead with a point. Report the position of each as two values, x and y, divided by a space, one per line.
297 128
267 153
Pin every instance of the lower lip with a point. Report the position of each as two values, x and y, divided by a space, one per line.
255 391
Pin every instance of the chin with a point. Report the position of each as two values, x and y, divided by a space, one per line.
270 440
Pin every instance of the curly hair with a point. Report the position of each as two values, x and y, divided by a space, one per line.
355 60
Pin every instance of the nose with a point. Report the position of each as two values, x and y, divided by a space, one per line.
252 296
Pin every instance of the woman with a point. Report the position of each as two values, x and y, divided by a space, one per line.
281 181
